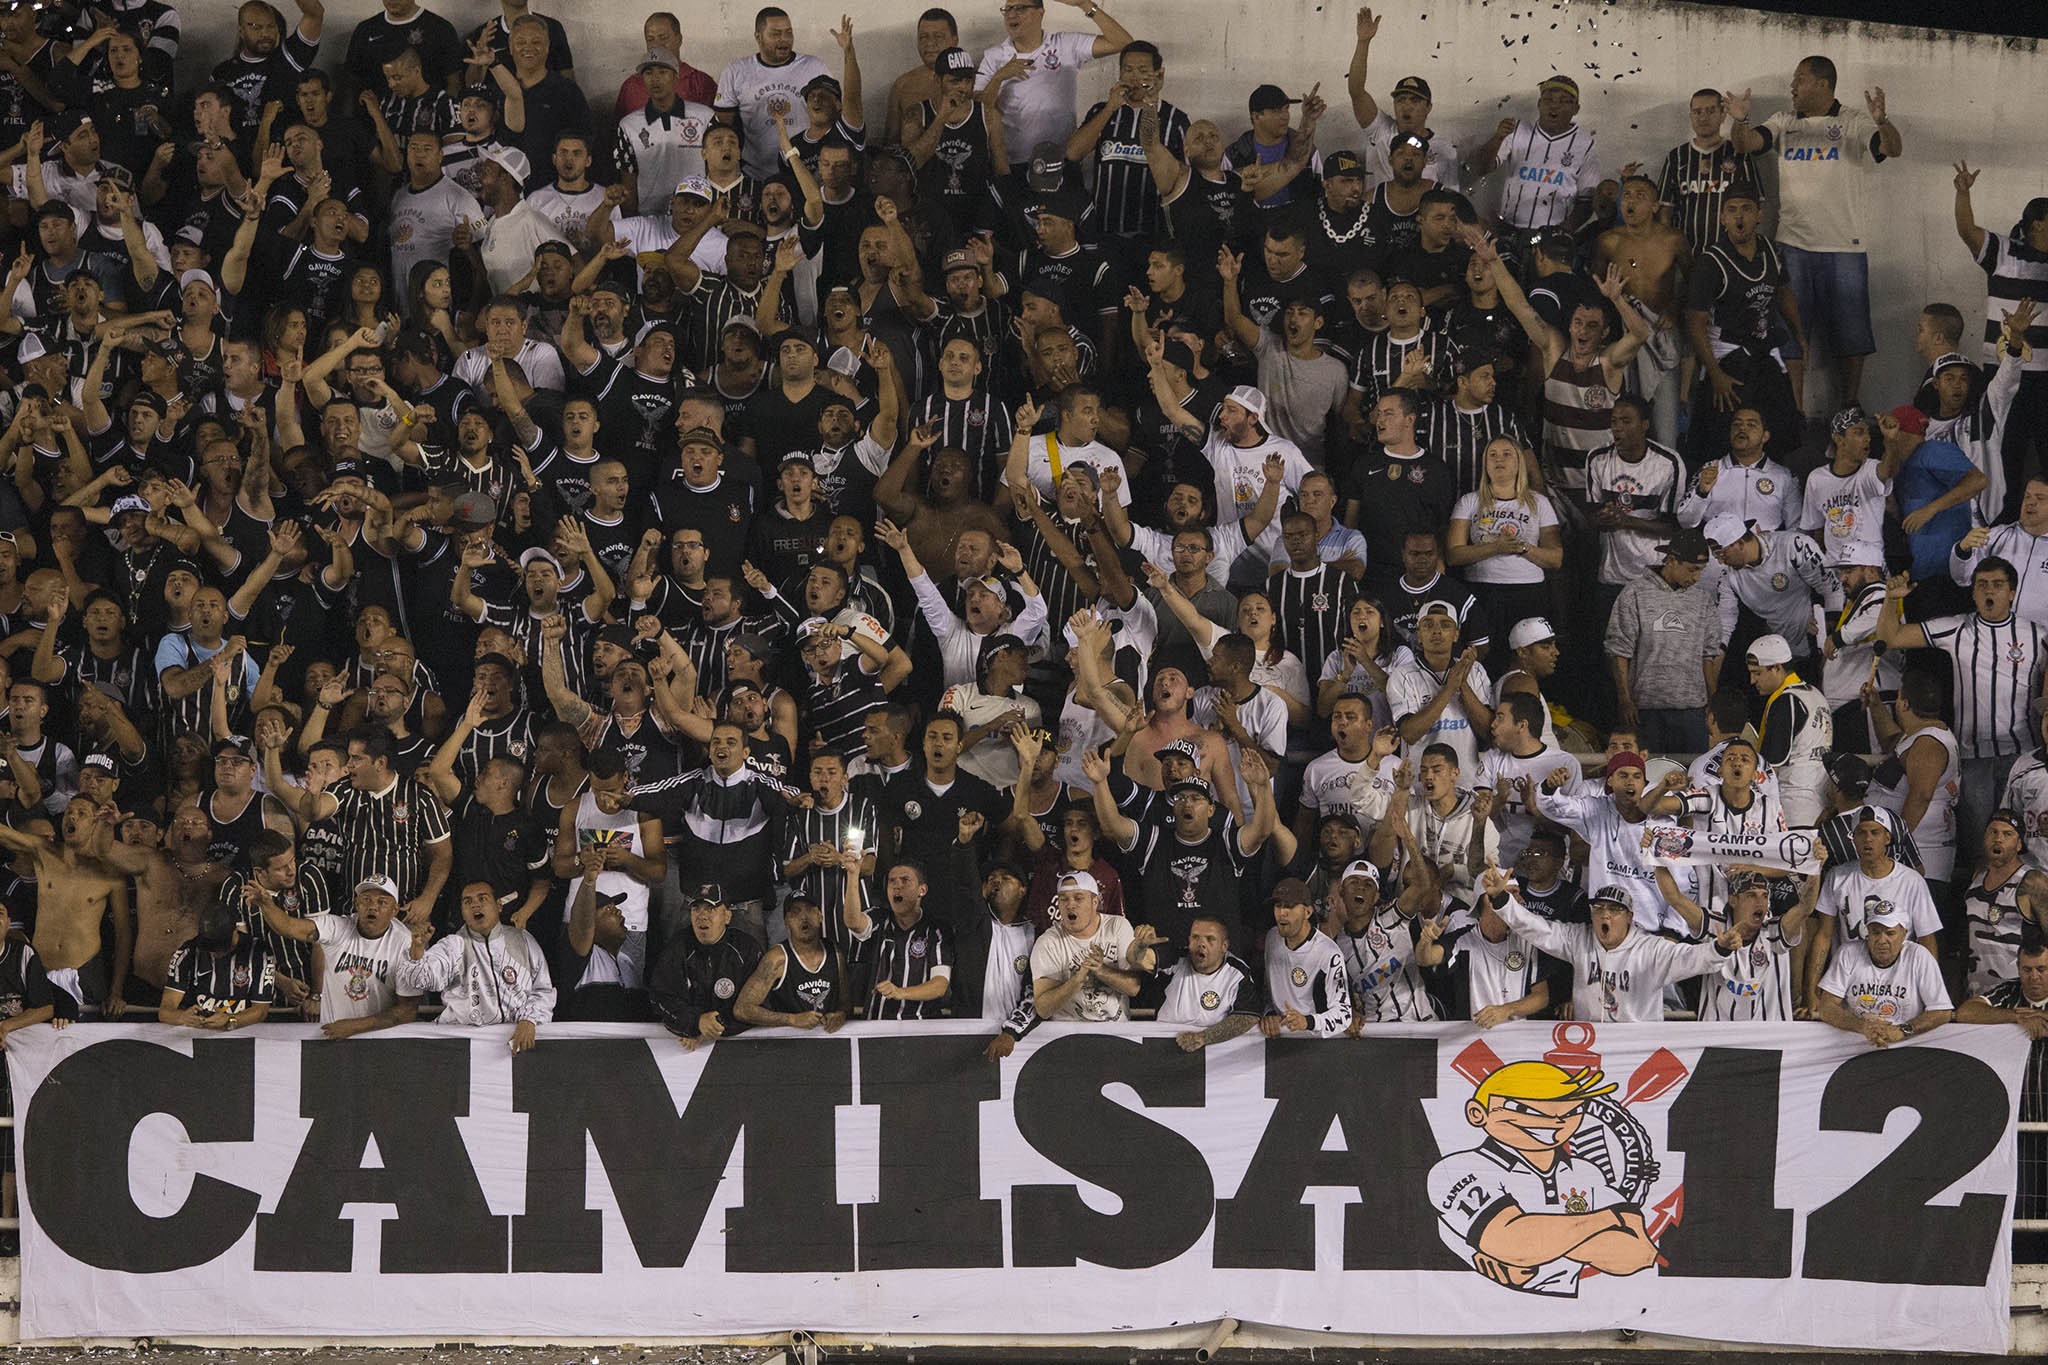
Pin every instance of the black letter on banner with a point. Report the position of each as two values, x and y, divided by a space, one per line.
931 1215
1726 1123
1881 1230
1375 1090
1159 1175
664 1168
75 1151
406 1093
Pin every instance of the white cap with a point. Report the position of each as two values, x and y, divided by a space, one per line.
31 348
1079 881
1250 399
1725 530
528 556
513 162
1859 554
1770 649
192 277
1361 868
1530 630
384 884
1884 914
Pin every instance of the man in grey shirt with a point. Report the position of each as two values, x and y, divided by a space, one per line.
1664 646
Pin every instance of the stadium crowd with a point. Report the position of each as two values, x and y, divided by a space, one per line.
704 559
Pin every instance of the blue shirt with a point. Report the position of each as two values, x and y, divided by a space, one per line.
1930 471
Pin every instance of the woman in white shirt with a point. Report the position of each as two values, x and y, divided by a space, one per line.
1505 539
1359 665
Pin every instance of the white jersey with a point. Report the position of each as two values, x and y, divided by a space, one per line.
1440 164
1049 459
1471 1189
1495 973
496 978
362 976
1706 772
1201 999
1446 840
1546 175
570 211
751 86
1780 588
1850 897
1648 487
1006 980
1620 985
1310 979
1039 105
1766 493
1241 472
1854 627
1057 955
1707 808
1616 857
664 150
422 226
1802 766
1333 784
1897 994
1386 981
1821 176
1512 816
1935 833
1755 981
1410 688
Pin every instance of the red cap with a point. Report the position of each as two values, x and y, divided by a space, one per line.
1910 419
1626 759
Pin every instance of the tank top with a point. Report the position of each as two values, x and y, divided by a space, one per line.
961 167
1576 408
231 835
594 827
802 987
1935 832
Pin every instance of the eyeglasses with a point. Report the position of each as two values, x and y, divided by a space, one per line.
1008 10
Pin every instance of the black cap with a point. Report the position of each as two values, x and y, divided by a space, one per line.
1689 546
1402 140
1270 97
820 82
1343 163
1411 85
1851 774
705 893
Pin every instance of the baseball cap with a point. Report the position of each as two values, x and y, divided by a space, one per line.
238 745
1437 606
1343 163
192 277
1850 772
57 208
527 557
129 502
1292 891
117 175
104 762
617 288
1412 85
1770 649
1615 894
954 61
1848 417
1725 530
1858 554
1910 419
1529 631
617 636
811 624
695 187
959 260
755 644
1270 97
513 162
384 884
658 56
1061 201
1558 83
1195 785
31 348
1401 140
1079 881
706 893
184 564
703 436
1946 361
1250 399
1887 915
820 82
1687 547
1048 169
1747 879
554 246
1627 758
1184 747
1361 867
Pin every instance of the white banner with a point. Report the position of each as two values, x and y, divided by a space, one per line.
1789 850
1770 1183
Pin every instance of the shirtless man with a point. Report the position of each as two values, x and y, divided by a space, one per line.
934 522
173 883
74 891
1651 256
935 33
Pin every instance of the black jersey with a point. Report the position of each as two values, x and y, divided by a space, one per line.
801 987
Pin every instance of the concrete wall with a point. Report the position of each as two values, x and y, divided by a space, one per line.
1952 95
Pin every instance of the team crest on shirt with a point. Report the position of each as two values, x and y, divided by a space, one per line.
1022 964
1319 601
976 418
1514 961
242 976
1300 977
1757 957
2015 653
1051 59
1579 1145
1377 937
401 812
357 987
509 974
1778 581
1210 1000
1415 474
914 809
1765 485
917 947
723 988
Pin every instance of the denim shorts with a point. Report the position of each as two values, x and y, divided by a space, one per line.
1833 292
